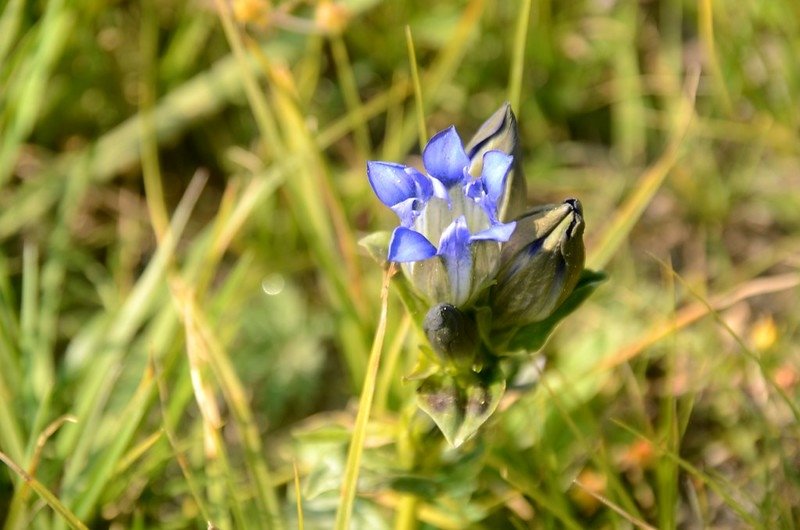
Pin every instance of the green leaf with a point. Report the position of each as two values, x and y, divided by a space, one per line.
377 245
483 318
459 405
424 487
426 365
415 306
533 336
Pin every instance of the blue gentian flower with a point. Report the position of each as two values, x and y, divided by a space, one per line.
450 233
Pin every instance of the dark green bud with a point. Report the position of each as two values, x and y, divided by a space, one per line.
452 334
540 265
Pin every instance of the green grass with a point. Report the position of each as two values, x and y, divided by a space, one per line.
187 320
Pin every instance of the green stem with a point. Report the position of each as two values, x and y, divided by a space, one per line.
348 491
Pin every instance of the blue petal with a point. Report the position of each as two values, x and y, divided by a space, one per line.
444 157
454 248
391 183
440 191
408 211
500 232
408 245
422 183
496 165
474 190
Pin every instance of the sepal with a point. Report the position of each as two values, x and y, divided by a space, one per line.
459 405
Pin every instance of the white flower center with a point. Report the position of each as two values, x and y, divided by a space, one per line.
437 216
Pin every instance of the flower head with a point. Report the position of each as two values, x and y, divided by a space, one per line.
495 280
450 231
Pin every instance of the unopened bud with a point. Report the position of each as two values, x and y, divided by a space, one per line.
499 132
452 334
540 265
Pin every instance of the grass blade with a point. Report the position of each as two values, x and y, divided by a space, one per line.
348 492
45 494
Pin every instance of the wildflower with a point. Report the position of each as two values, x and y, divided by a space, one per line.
450 234
495 281
540 265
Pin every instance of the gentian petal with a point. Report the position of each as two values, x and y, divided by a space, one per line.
454 248
496 165
422 183
407 210
474 190
408 245
440 190
500 232
390 182
444 157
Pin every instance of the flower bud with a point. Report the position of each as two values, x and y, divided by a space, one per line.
539 266
500 133
452 334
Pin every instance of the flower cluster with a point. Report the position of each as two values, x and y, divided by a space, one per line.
493 278
461 240
449 235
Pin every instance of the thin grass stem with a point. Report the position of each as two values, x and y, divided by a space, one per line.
518 54
348 490
422 129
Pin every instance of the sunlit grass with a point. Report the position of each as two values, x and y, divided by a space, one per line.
187 321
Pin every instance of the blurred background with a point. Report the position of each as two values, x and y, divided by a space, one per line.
186 314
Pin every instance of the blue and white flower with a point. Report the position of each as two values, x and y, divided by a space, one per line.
450 233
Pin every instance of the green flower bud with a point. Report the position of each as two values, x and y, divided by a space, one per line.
500 133
539 266
453 335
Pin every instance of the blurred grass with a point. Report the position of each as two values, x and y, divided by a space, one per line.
183 189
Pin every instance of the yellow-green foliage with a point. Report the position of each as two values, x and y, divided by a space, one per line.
187 320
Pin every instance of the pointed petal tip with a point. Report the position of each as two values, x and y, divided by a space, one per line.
576 205
444 157
390 182
408 245
455 237
496 167
500 232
